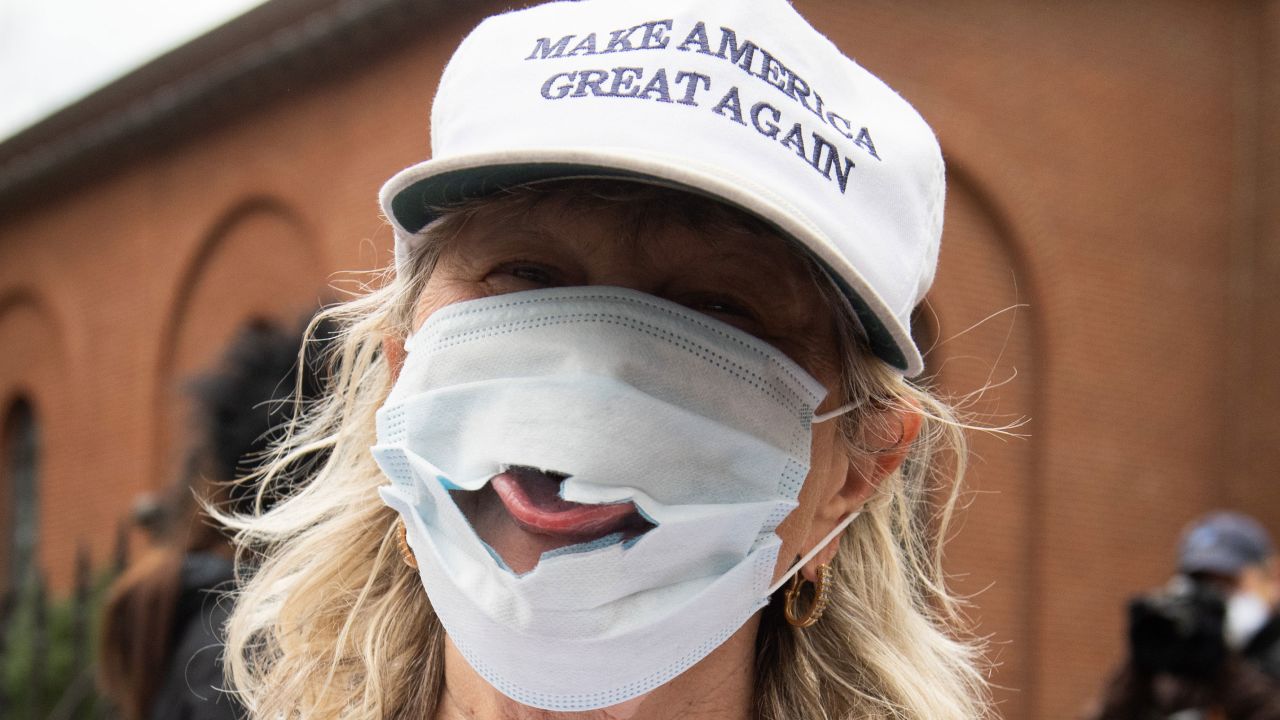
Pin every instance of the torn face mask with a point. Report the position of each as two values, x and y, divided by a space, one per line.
617 397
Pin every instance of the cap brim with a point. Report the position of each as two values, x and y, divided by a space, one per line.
419 194
1218 563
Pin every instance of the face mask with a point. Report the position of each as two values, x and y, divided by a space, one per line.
1246 614
703 427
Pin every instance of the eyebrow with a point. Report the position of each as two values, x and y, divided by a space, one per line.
506 232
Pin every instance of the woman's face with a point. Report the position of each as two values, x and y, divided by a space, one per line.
752 282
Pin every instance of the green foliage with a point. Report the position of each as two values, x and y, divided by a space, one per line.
48 646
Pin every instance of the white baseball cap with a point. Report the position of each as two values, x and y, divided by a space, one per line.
740 100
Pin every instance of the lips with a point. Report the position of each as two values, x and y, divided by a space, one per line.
532 498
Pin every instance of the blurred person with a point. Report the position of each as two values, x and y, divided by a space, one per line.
628 433
1234 554
1208 644
161 647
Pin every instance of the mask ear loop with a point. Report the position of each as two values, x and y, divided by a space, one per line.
847 407
813 553
832 414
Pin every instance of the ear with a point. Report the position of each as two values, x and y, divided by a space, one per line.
393 351
889 434
886 435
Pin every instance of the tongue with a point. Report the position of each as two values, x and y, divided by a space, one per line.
533 499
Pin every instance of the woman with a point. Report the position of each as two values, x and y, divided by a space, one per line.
640 366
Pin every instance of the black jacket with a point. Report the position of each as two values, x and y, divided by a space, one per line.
1246 688
1264 649
192 687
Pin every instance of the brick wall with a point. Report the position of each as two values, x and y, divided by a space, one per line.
1112 217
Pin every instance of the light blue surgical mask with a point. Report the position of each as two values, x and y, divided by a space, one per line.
703 427
1247 612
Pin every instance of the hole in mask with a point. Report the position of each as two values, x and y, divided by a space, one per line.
521 515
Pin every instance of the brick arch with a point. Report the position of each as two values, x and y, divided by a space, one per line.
20 298
33 369
984 270
32 336
260 261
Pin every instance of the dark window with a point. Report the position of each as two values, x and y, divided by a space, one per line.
20 471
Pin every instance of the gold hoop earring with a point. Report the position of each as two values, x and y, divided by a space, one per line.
820 598
402 541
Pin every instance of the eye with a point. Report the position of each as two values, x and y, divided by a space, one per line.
523 274
723 307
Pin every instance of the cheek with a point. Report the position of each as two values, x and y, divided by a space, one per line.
441 291
828 463
822 481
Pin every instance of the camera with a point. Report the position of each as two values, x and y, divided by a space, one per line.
1179 630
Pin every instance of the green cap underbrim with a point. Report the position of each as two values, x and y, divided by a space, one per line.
416 205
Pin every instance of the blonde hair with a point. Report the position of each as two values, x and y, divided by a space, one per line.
332 624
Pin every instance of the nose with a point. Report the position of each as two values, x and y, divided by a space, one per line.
623 269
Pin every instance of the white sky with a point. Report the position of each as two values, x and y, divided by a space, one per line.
53 52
